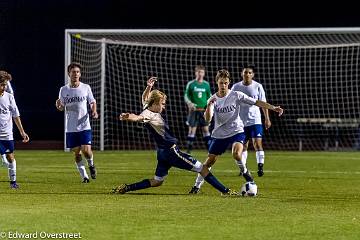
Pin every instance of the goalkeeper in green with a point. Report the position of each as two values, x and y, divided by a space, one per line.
196 95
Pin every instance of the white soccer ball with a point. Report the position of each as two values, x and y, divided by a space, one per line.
249 189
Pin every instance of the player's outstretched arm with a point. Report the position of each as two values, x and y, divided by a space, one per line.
150 83
266 105
21 129
130 117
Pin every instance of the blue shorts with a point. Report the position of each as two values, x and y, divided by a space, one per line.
173 157
254 131
6 146
77 139
218 146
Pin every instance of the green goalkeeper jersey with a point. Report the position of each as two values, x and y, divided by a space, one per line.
197 93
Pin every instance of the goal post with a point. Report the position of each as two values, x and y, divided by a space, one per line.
312 72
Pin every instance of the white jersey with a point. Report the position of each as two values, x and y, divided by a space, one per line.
250 114
75 101
226 113
8 110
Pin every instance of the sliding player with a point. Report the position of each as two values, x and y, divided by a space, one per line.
168 153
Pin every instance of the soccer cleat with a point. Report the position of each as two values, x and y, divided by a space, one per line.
194 190
14 185
248 176
123 188
260 171
93 172
86 180
230 193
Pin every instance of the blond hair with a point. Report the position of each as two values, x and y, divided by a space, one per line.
223 73
5 76
199 67
154 97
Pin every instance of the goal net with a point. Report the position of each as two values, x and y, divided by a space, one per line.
312 73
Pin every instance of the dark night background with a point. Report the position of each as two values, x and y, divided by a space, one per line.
32 37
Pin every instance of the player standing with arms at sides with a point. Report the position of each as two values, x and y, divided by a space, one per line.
10 90
168 153
225 107
73 98
197 93
251 116
8 112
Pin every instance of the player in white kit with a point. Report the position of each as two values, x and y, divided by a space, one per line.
228 130
10 90
73 98
8 112
251 116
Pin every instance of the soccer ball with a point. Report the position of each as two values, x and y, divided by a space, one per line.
249 189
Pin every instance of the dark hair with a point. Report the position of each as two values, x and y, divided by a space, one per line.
223 73
5 76
249 65
74 65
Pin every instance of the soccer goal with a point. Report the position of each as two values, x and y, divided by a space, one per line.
312 72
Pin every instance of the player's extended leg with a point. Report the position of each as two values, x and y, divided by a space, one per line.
260 155
80 164
190 138
237 149
89 156
146 183
211 159
187 162
213 181
12 170
161 172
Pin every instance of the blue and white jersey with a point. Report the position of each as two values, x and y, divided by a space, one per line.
159 129
226 113
8 110
75 101
250 114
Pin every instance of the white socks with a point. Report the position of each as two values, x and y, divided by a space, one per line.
260 157
81 168
200 180
4 160
12 170
90 161
244 156
241 166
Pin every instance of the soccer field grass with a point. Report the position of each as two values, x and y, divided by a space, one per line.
303 195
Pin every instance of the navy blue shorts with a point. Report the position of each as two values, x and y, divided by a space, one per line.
6 146
77 139
218 146
253 131
196 118
173 157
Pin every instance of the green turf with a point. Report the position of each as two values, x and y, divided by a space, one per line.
303 195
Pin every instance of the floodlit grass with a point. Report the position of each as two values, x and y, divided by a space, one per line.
303 195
